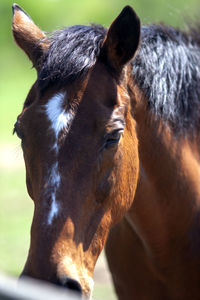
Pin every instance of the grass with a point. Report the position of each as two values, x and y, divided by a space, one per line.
15 218
13 91
103 292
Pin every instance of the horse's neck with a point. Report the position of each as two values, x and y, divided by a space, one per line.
167 201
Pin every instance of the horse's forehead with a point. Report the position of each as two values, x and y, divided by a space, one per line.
60 115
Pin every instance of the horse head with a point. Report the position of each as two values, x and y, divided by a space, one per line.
79 142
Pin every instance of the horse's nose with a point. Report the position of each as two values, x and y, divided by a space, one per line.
70 284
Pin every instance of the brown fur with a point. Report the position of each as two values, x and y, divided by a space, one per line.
91 194
158 238
153 245
27 35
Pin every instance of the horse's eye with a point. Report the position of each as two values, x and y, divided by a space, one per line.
113 137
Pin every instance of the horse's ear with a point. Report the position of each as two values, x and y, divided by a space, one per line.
27 35
122 39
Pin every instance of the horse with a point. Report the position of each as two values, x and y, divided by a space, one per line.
109 133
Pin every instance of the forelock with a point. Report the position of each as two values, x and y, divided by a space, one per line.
72 52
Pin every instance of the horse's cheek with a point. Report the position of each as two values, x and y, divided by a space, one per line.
126 180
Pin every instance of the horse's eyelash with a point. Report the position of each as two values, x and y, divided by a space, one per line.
14 131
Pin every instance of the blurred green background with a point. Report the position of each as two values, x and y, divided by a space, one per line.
16 77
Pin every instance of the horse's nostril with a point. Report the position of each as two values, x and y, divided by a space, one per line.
71 284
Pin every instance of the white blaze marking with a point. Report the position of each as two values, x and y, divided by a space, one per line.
54 209
53 185
60 120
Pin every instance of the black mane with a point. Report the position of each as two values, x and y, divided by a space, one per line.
166 68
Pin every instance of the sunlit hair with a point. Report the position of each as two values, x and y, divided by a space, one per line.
167 70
